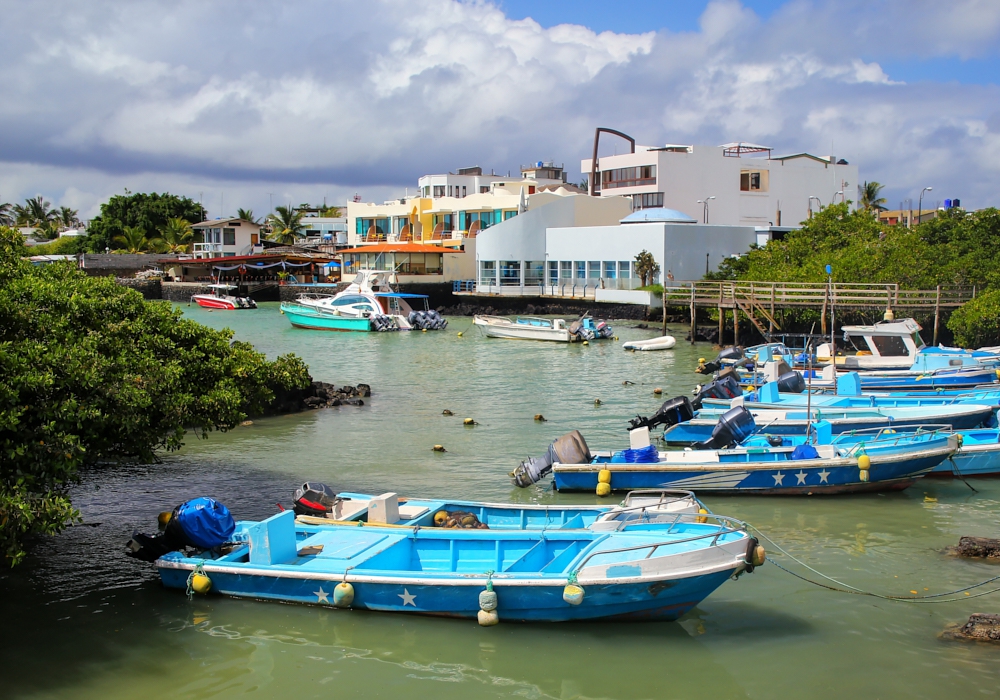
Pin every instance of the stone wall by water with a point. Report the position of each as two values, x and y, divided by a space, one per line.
181 292
150 289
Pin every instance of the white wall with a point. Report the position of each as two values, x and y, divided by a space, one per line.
684 178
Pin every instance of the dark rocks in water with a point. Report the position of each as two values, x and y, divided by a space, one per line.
981 627
318 395
978 547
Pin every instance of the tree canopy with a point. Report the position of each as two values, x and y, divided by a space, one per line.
93 372
286 225
149 212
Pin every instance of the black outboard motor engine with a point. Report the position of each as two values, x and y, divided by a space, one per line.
571 448
734 353
201 522
316 499
725 387
735 426
673 411
791 383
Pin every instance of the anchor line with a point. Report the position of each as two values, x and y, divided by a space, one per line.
842 587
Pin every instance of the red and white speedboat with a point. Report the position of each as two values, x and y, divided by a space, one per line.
221 299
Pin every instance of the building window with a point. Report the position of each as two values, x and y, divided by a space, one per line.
510 273
449 191
487 272
566 270
647 200
553 272
446 219
609 269
753 180
594 269
628 177
624 267
483 189
228 236
534 272
254 239
509 214
463 190
439 190
365 226
581 269
427 191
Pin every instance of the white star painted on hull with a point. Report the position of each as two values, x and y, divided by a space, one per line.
801 476
407 598
822 477
321 595
778 478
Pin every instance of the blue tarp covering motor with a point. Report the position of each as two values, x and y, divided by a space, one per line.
805 452
206 522
641 455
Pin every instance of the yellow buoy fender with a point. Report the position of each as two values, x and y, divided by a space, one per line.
701 518
864 464
163 518
201 584
343 594
488 600
460 334
573 594
603 490
468 421
488 618
759 555
864 475
604 476
441 517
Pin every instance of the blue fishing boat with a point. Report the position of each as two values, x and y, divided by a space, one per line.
720 465
633 570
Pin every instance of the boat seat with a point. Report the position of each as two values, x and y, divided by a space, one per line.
272 541
341 544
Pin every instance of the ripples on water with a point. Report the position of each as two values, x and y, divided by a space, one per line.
81 620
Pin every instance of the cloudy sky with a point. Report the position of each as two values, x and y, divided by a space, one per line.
247 102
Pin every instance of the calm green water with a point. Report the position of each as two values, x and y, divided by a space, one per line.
80 620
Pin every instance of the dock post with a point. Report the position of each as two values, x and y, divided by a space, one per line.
937 314
736 326
664 311
693 314
722 323
770 321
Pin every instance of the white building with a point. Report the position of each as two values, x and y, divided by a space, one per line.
225 238
737 184
472 180
327 229
549 254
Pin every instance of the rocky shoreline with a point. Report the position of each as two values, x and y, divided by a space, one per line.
318 395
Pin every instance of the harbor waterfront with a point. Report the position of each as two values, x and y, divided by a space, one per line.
116 632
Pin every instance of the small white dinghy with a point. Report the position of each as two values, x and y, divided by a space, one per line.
662 343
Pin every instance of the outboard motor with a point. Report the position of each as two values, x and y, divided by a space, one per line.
604 330
725 387
735 426
791 383
201 522
734 353
673 411
316 499
571 448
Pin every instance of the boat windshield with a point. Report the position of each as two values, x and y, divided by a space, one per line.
350 299
890 345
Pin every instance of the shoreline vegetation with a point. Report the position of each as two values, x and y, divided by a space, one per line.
94 373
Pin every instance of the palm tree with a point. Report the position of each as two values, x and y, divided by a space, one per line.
175 237
646 266
872 200
133 240
286 225
247 215
331 212
67 217
6 214
35 212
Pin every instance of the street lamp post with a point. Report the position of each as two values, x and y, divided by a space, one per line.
811 198
920 205
704 211
833 199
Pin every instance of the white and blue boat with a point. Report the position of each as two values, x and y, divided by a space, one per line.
620 570
882 463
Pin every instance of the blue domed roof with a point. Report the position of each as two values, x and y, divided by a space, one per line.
669 216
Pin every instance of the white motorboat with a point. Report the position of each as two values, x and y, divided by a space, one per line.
664 342
524 328
220 298
368 304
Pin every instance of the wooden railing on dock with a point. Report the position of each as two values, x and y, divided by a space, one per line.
759 300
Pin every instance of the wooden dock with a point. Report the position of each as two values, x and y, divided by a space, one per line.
758 302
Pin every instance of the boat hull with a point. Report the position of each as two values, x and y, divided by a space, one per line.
323 321
792 478
664 600
663 343
516 331
210 302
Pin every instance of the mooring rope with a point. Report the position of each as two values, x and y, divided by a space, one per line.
842 587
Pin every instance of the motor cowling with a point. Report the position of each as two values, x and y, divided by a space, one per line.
791 383
201 522
673 411
315 498
734 426
734 353
571 448
727 386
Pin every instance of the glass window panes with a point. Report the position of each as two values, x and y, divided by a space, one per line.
534 271
581 269
594 269
487 272
510 272
624 269
553 272
610 270
566 269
